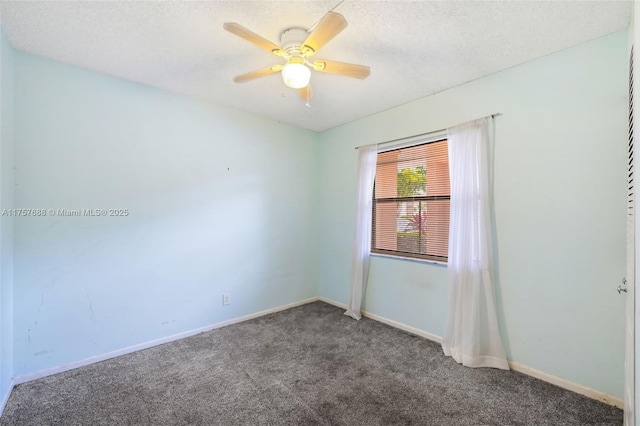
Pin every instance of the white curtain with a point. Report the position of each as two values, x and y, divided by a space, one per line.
367 157
471 334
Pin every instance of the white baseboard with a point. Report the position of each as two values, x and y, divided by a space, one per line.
515 366
558 381
97 358
401 326
332 302
567 384
392 323
5 397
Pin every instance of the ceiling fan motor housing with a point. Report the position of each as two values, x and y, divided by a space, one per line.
291 40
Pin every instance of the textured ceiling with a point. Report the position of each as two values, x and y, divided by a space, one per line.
413 48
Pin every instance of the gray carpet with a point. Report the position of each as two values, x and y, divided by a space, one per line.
307 365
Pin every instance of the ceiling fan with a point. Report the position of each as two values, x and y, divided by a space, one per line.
297 46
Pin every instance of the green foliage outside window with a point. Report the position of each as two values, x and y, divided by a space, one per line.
412 182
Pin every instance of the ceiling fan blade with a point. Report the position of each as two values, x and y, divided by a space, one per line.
329 26
256 74
306 94
341 68
252 37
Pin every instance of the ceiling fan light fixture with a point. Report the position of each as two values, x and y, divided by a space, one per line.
297 45
296 75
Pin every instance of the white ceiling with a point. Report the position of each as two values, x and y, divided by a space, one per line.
414 48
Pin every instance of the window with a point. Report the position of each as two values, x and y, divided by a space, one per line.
411 201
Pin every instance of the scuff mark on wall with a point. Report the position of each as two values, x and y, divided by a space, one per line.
90 306
42 298
45 288
41 301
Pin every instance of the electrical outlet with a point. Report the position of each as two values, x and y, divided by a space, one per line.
226 298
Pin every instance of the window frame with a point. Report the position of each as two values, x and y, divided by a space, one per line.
397 145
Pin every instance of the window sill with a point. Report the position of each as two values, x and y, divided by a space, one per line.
410 259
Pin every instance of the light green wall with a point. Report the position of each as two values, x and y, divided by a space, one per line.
559 203
218 201
6 222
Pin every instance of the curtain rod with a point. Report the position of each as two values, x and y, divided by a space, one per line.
497 114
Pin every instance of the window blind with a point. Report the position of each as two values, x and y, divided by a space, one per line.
411 202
